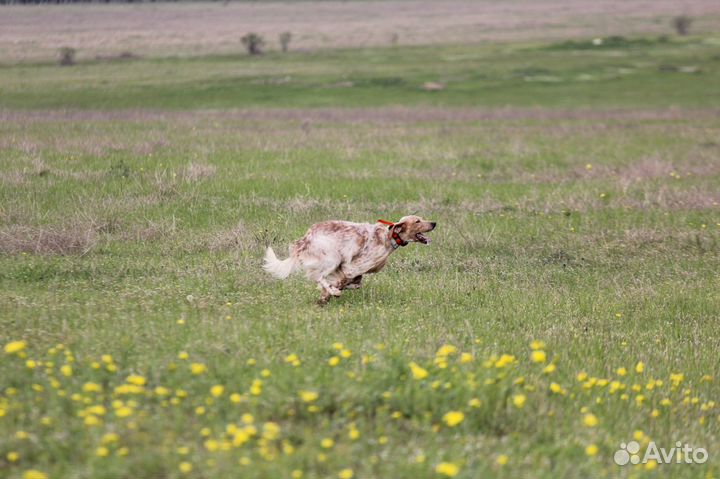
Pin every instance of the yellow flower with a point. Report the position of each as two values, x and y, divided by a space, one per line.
538 356
446 350
466 358
308 396
327 443
185 467
123 411
504 360
34 474
102 451
474 402
549 368
591 450
66 370
519 400
346 474
581 376
345 353
92 388
296 474
502 459
650 465
453 418
182 355
197 368
621 371
353 434
640 367
447 469
136 380
236 398
590 420
109 438
12 456
417 371
31 364
334 361
14 347
556 388
217 390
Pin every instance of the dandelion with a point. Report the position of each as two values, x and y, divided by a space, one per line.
327 443
447 469
308 396
640 367
296 474
236 398
197 368
550 368
446 350
591 450
590 420
621 371
453 418
502 459
185 467
353 434
556 388
102 451
34 474
536 345
12 456
346 474
182 355
14 347
136 380
519 400
417 371
334 361
66 370
538 356
217 390
475 402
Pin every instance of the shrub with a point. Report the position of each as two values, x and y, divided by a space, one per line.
682 24
285 38
253 42
67 56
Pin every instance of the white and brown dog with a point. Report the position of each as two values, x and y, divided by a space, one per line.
336 254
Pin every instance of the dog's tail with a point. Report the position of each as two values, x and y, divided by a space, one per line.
279 269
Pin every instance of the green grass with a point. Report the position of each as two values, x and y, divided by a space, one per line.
641 72
162 217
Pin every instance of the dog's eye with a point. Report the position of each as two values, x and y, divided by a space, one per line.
418 221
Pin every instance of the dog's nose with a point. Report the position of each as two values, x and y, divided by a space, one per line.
433 225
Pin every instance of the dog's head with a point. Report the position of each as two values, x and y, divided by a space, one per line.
411 229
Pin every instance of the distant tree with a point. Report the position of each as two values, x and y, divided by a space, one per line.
253 43
285 38
682 24
67 56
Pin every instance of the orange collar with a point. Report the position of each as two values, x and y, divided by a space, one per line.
396 239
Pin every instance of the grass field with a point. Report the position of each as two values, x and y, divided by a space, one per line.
569 300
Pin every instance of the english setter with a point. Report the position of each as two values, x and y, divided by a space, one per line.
336 254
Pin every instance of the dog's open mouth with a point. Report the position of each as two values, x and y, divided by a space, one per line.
422 238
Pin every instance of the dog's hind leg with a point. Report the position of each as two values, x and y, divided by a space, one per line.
354 283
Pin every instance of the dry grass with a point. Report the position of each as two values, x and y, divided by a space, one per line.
70 239
191 29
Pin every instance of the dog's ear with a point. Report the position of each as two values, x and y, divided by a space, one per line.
399 227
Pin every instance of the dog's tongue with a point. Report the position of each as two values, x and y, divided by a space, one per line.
422 238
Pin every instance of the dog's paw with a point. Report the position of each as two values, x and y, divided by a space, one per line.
334 291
